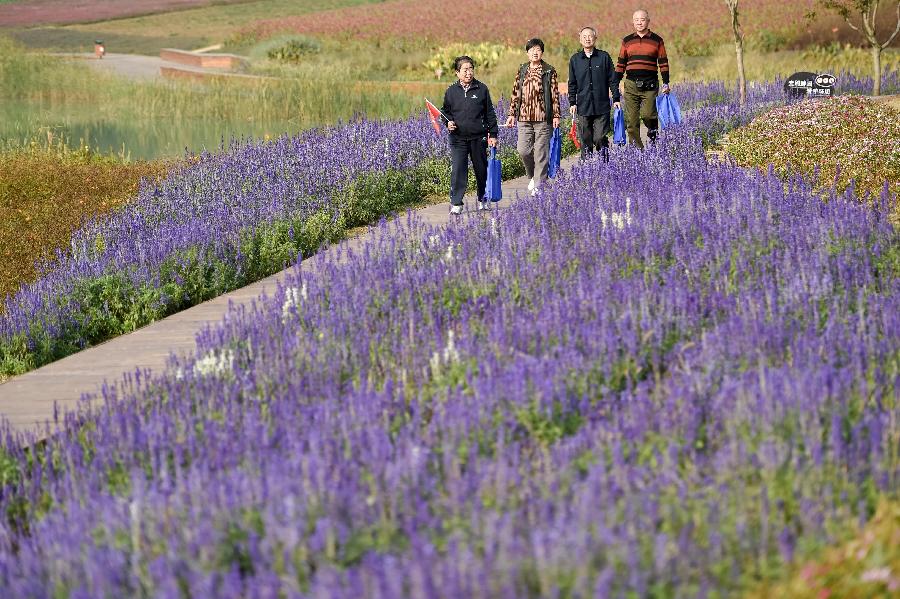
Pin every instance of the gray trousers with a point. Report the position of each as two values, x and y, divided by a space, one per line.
533 145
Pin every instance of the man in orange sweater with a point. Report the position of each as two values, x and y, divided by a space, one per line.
641 54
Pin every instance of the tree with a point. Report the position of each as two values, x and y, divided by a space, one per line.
866 11
739 49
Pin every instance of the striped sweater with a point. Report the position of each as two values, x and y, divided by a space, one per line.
640 56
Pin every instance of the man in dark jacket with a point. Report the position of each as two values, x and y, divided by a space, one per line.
472 123
592 78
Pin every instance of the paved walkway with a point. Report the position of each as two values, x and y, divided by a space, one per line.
29 400
146 68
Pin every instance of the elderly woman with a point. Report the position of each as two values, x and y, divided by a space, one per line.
472 123
535 105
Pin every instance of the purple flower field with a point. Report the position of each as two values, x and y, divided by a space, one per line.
660 377
242 214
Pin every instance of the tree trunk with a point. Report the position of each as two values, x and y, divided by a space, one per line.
738 49
742 78
876 69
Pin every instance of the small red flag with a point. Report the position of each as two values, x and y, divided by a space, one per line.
573 133
435 115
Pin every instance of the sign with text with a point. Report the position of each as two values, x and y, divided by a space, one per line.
809 85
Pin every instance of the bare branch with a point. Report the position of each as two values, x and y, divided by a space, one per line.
852 26
868 21
896 29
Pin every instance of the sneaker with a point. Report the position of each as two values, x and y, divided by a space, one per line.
531 185
485 205
456 209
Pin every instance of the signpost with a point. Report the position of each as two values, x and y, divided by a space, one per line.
809 85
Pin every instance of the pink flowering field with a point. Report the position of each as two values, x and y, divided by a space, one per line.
842 139
39 12
508 21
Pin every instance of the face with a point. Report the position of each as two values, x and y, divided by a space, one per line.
466 73
535 53
641 21
587 38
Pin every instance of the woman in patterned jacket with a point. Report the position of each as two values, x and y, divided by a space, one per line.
535 105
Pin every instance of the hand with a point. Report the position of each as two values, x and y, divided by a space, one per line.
617 105
572 110
510 121
492 141
556 122
451 125
665 88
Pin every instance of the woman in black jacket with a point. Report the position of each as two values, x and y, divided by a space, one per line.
472 123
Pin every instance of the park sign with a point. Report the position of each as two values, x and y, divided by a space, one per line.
809 85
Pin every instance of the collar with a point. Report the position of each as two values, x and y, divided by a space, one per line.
472 85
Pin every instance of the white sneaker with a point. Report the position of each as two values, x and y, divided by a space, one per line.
485 205
531 185
456 209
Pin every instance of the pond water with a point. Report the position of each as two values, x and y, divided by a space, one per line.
135 137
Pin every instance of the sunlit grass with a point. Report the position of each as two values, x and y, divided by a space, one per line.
47 190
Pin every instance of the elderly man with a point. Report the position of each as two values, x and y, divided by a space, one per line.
641 55
592 79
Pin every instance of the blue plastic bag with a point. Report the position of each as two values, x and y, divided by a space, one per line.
555 153
668 110
618 127
493 191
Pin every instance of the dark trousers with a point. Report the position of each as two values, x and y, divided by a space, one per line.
460 152
592 131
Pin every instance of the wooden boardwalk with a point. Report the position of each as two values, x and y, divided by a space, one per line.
28 401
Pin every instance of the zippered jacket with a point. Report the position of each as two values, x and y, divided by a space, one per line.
472 110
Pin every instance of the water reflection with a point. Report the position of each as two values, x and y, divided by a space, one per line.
135 137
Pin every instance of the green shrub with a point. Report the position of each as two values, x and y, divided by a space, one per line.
510 164
694 42
293 49
111 305
768 40
433 176
486 56
377 194
273 247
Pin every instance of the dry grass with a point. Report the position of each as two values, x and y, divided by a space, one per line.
864 567
46 192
